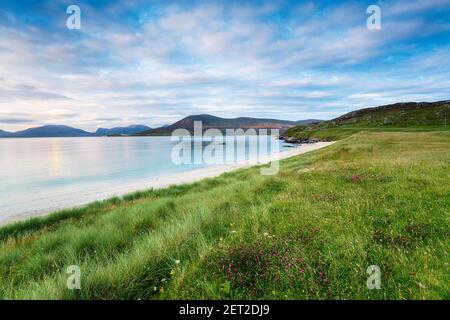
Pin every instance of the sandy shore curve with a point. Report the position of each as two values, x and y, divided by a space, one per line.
76 197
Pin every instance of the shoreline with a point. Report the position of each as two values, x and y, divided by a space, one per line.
56 202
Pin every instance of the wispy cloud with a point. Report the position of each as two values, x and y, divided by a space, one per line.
153 62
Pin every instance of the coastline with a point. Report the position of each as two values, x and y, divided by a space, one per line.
56 202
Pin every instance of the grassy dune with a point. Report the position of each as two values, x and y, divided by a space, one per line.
400 117
310 232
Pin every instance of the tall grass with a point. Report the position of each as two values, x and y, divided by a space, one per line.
309 232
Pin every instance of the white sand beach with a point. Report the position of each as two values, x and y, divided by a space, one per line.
35 205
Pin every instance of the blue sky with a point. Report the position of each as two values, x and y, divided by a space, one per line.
154 62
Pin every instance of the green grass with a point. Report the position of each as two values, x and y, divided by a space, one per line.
402 117
310 232
330 132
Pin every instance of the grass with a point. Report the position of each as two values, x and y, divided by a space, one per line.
310 232
402 117
330 132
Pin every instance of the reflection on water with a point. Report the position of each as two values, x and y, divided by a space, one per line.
55 165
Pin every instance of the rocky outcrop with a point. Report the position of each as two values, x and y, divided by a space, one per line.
299 140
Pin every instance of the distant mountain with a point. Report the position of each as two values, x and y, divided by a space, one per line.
65 131
130 130
209 121
51 131
5 134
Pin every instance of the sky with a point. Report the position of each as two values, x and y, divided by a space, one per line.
155 62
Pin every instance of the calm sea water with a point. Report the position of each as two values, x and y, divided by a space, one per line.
37 168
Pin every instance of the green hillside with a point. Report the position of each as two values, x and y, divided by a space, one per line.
396 117
213 122
309 232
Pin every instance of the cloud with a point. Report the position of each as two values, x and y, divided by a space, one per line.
153 62
26 92
402 7
15 120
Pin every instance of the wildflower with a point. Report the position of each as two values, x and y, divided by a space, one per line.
163 280
155 288
233 231
265 234
177 261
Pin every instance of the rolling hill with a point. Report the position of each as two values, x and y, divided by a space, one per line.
409 116
130 130
399 114
5 134
48 131
51 131
209 121
308 232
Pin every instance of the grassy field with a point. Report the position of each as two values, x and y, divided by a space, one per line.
400 117
310 232
331 132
